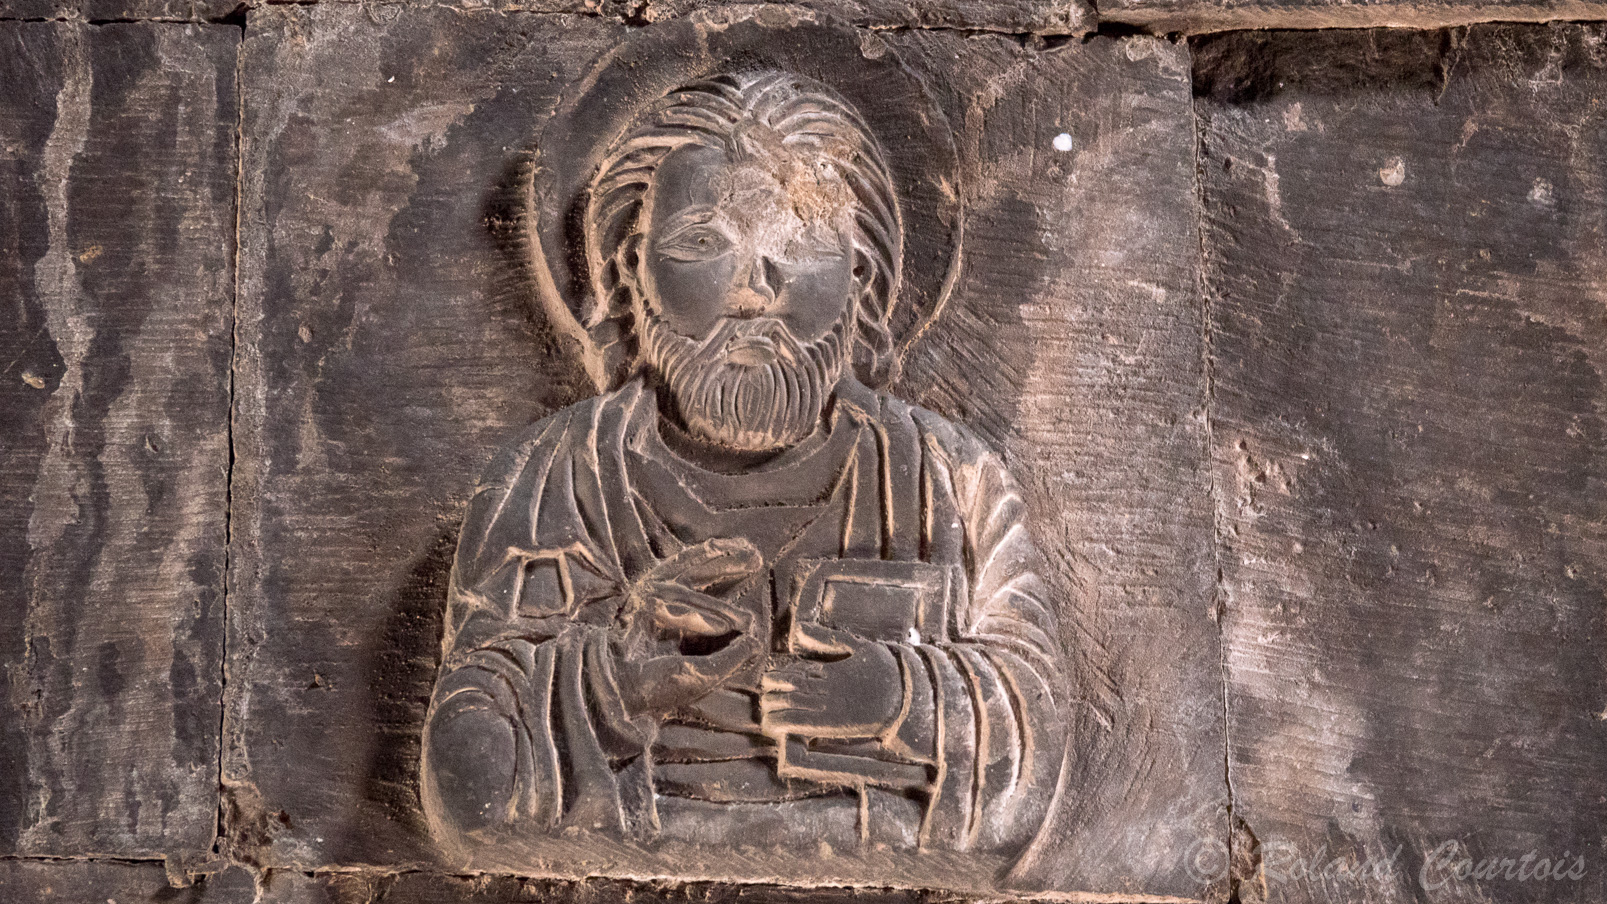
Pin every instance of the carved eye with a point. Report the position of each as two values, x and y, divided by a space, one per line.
815 245
695 243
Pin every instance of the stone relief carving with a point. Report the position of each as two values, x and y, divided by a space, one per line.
743 594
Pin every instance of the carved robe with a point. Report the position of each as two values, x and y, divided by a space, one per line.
884 494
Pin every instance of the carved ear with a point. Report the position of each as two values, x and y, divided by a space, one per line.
630 303
863 274
628 262
874 358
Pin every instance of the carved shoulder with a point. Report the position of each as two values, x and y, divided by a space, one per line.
498 513
963 454
530 444
957 440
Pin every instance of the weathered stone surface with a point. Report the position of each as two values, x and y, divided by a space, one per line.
1201 16
116 246
1042 17
386 347
77 881
1404 258
108 11
94 882
427 888
389 345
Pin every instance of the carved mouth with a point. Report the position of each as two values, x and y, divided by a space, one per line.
752 351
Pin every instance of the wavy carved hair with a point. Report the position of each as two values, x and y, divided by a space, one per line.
811 120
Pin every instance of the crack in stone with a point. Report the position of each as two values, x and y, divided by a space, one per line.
220 826
1218 603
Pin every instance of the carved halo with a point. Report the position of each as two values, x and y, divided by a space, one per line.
914 135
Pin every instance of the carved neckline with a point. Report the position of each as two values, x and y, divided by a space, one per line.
734 463
810 468
673 440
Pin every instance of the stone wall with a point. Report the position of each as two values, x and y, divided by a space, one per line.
1293 339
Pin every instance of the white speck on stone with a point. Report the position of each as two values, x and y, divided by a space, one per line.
1294 119
1393 173
1063 142
914 636
1541 193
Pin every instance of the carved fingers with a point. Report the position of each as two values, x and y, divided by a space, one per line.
679 597
676 609
793 678
858 696
818 641
710 566
664 683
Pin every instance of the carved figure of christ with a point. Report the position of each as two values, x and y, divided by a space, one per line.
743 597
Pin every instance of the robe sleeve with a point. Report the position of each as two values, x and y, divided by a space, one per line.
987 702
526 726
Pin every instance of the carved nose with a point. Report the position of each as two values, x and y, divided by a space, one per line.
757 292
747 304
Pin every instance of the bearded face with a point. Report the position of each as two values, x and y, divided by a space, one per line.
747 275
749 385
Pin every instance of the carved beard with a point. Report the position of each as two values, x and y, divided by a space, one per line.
751 408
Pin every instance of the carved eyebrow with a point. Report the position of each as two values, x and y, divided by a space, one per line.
691 216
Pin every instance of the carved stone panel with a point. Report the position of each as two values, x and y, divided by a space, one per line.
1404 237
117 167
590 520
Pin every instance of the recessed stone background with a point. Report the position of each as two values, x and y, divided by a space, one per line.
1295 348
97 12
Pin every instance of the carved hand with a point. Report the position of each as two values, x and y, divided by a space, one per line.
850 688
676 601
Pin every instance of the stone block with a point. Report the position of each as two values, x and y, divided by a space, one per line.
117 248
1404 258
122 882
1203 16
109 11
390 343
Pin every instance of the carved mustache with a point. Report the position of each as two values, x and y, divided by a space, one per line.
754 342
